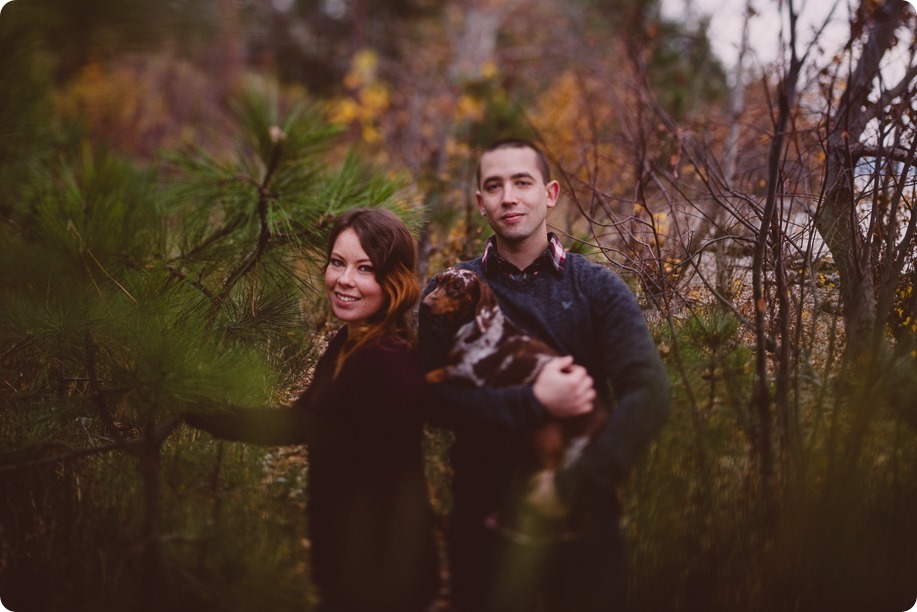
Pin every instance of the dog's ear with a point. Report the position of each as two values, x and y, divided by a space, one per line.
487 306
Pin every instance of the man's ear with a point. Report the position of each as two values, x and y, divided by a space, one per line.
479 199
553 189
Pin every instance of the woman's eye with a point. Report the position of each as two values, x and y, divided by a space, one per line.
337 263
366 269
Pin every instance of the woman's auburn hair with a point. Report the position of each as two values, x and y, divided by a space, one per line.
393 253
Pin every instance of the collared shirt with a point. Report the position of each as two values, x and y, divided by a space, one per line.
587 312
552 258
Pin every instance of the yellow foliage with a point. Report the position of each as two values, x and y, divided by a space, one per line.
137 104
371 134
469 108
568 111
661 220
457 150
352 81
489 69
558 109
370 98
363 68
374 99
344 110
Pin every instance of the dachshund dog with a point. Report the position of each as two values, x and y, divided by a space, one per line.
488 349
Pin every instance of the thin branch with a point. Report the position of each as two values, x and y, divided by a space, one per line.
18 346
112 278
254 256
158 436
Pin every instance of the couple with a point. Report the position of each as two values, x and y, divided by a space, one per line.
362 416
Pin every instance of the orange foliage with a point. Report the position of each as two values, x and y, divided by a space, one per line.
368 101
139 104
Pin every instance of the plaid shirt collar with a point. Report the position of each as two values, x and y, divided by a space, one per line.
552 258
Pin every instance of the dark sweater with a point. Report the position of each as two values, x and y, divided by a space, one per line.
585 311
369 517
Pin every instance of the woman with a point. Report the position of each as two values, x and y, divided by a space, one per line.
369 516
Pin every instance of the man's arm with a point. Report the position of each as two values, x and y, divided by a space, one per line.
458 406
639 381
562 389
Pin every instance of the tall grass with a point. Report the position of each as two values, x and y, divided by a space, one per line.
845 507
701 536
234 532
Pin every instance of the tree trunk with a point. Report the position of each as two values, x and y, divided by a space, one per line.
156 592
836 218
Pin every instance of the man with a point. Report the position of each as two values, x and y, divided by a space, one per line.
590 315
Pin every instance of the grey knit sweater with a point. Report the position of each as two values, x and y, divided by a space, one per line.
585 311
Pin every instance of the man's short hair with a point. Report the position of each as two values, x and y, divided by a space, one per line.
516 143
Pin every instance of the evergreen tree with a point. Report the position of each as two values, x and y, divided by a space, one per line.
128 301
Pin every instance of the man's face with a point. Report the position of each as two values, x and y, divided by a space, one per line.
513 195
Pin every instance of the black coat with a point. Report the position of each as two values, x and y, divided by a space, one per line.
369 516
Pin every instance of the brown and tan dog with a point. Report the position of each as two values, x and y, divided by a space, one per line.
490 350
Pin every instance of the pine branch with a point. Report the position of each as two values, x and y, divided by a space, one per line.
221 233
264 194
196 284
24 343
132 447
96 393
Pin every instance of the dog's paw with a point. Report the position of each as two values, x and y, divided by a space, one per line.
543 498
437 376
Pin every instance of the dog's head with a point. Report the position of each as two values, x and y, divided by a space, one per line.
458 296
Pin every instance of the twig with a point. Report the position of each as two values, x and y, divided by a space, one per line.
129 446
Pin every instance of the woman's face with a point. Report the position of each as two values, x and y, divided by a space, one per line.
350 279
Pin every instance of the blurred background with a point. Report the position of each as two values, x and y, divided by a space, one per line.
168 170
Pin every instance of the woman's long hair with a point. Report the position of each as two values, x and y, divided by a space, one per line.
393 253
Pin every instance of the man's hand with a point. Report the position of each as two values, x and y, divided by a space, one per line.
564 388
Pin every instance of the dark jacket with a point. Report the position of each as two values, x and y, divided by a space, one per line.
369 516
583 310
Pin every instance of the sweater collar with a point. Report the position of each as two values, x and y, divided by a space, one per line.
553 258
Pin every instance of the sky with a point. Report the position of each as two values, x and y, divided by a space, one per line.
727 18
764 30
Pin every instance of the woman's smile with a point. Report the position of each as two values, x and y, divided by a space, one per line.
350 279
